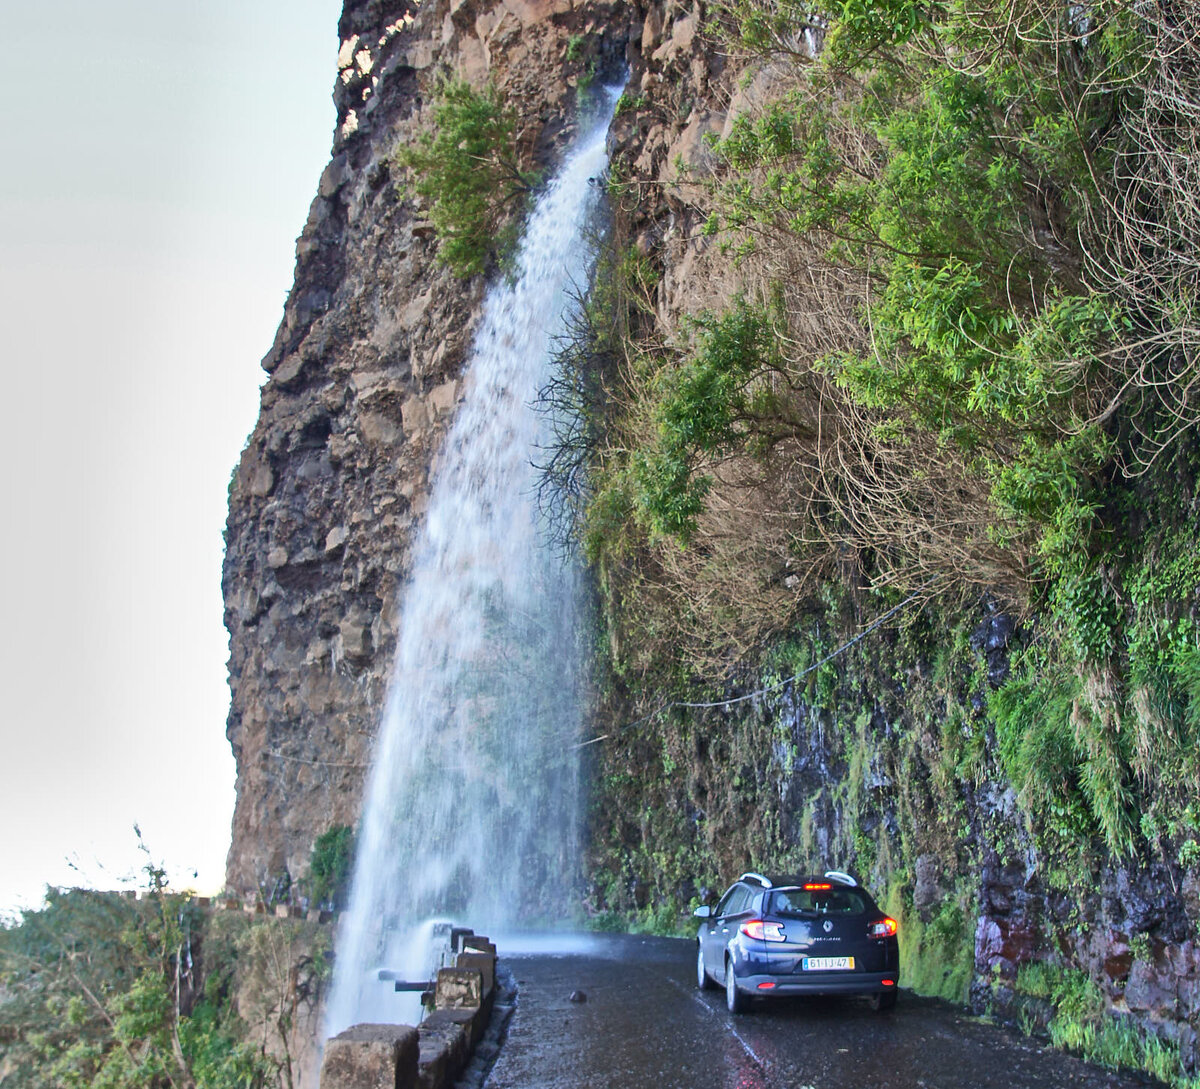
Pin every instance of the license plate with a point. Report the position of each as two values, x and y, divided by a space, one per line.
827 964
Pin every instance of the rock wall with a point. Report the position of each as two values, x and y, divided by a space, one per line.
860 767
363 379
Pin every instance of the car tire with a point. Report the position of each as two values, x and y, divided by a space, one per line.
703 979
884 1001
735 1001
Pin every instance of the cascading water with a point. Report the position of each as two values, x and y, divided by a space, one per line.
471 809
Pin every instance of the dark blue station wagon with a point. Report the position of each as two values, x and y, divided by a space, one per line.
797 935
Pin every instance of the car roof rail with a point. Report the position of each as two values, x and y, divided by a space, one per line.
841 878
766 884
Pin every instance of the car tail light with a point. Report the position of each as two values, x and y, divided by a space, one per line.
885 928
814 886
766 986
763 931
889 983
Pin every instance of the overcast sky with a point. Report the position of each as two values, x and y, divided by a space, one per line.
159 157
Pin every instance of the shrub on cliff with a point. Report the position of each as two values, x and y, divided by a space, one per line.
466 165
331 866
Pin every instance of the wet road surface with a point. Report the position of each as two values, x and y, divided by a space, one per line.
645 1025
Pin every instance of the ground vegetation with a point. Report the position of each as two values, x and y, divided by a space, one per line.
155 992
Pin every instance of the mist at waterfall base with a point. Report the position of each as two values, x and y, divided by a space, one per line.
471 808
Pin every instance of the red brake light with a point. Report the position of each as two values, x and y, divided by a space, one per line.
763 931
885 928
814 886
766 986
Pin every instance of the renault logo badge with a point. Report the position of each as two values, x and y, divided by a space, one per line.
827 926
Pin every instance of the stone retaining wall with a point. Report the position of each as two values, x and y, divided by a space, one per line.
250 907
432 1054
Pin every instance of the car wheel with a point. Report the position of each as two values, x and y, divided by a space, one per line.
734 999
886 1000
702 978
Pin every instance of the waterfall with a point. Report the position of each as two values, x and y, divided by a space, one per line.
471 805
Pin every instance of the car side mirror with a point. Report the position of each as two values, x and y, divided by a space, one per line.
704 912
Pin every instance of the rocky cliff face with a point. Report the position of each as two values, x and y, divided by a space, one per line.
363 380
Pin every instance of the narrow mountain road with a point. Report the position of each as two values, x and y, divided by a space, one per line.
644 1025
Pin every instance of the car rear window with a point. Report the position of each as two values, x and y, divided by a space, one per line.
817 902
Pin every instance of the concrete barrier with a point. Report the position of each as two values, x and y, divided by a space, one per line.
458 989
253 906
484 964
371 1057
445 1048
463 998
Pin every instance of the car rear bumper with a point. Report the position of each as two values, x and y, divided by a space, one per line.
818 983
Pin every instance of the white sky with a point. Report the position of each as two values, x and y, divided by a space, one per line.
157 160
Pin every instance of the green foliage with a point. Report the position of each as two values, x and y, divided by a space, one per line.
936 957
1080 1023
609 512
1102 718
950 381
956 348
952 162
803 652
1070 765
663 919
864 27
628 103
467 167
702 408
331 865
963 425
100 989
978 335
50 962
97 992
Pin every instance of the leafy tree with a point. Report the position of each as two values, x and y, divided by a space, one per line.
99 989
704 407
466 165
59 969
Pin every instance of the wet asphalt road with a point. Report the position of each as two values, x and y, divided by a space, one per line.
646 1026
